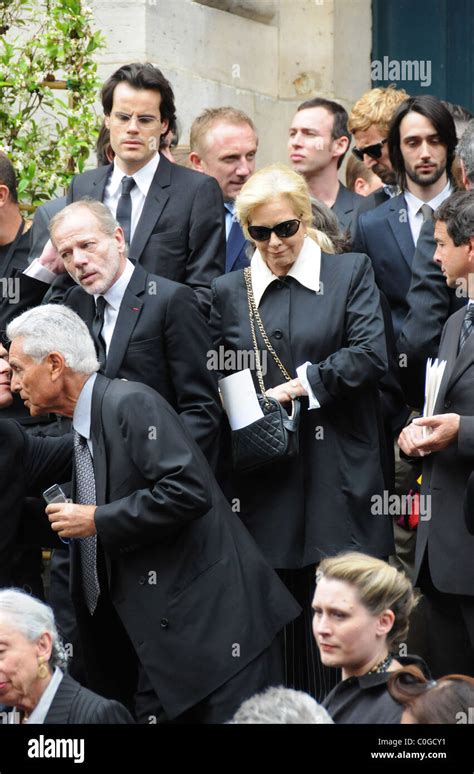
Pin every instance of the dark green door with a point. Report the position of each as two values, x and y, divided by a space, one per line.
425 47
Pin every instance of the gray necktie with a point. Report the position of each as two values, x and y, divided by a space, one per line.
85 495
466 327
427 212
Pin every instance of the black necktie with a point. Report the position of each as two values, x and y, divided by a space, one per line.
124 207
466 327
97 325
85 495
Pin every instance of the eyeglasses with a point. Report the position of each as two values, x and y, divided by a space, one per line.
122 119
374 151
283 230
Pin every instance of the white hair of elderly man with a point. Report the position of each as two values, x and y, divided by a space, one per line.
281 705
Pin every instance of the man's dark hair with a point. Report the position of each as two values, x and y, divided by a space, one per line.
443 123
8 177
339 127
457 212
141 76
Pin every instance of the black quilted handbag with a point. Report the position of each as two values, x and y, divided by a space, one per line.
275 435
268 439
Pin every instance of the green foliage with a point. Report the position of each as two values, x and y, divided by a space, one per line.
47 132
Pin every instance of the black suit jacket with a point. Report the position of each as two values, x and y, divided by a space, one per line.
73 704
28 465
161 339
384 234
430 302
346 207
181 231
445 535
161 512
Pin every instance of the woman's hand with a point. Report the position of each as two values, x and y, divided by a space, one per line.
287 391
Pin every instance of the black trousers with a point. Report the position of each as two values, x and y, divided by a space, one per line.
448 624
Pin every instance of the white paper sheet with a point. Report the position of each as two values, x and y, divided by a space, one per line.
434 376
240 399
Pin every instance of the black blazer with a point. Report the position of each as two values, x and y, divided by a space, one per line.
445 536
28 465
160 509
161 339
73 704
430 302
346 207
384 234
181 231
300 510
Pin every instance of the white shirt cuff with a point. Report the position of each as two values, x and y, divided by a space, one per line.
301 373
40 272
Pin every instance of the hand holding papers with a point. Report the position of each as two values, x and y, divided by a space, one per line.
434 376
240 399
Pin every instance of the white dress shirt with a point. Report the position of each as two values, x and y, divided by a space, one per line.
81 419
306 270
415 217
113 298
143 179
42 708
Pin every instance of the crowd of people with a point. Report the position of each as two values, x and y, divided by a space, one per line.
333 582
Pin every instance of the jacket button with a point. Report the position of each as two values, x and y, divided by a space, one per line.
278 334
142 580
164 623
447 404
279 285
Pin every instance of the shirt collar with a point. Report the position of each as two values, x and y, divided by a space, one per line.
414 203
81 419
115 293
42 708
143 177
305 270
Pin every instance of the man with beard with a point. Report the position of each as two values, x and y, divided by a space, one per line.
421 144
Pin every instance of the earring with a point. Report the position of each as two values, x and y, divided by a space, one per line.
43 670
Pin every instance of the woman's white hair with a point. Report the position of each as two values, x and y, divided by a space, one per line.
55 328
32 618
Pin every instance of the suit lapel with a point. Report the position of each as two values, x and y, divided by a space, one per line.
401 228
235 244
127 318
455 364
98 442
152 209
97 190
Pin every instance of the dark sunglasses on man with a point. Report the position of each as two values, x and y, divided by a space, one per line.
374 151
287 228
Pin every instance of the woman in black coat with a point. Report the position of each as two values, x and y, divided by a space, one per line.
322 315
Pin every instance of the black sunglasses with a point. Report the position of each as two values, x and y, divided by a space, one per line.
374 151
283 230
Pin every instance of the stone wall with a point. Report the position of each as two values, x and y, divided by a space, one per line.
262 56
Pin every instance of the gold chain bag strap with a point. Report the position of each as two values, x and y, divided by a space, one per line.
275 435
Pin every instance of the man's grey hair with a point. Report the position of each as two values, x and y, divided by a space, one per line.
31 618
55 328
465 151
281 705
102 214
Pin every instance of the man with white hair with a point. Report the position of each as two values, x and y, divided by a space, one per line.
281 706
177 610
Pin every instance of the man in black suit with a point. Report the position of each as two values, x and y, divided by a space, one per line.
429 297
173 218
176 607
223 144
151 329
14 237
444 566
421 142
318 141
